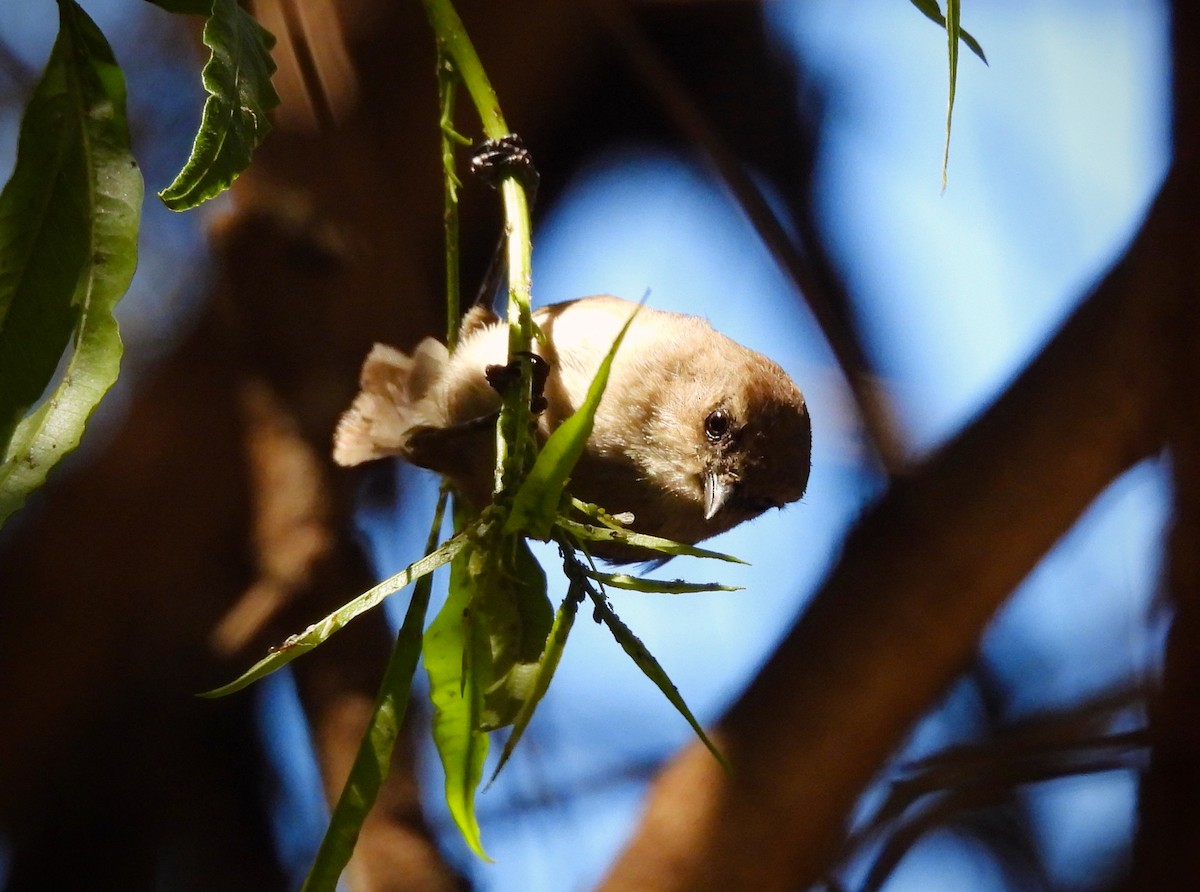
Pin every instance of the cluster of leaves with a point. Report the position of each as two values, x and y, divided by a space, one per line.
492 650
494 647
69 219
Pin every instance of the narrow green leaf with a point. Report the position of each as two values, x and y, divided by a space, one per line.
317 633
650 667
510 606
536 504
457 702
235 120
658 586
68 247
934 13
588 533
952 33
546 667
598 514
374 758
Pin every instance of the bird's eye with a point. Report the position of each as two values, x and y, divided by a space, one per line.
716 425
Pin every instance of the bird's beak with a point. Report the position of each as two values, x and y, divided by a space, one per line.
716 494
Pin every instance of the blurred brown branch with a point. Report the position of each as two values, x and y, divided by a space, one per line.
900 615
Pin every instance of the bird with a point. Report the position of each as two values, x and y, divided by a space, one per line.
694 434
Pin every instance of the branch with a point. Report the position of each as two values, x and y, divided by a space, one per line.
900 615
828 304
1165 855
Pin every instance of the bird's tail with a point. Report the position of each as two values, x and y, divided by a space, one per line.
387 407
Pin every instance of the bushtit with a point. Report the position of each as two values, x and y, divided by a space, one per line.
695 433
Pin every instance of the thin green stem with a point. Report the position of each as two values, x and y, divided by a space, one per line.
515 421
447 79
514 441
452 35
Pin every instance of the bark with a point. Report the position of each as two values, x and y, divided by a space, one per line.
900 615
1167 851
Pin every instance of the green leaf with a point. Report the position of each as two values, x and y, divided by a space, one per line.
187 7
317 633
588 533
952 32
658 586
934 13
546 667
68 247
598 514
457 703
374 758
235 119
536 504
650 667
510 606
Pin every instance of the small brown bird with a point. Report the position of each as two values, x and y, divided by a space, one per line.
695 433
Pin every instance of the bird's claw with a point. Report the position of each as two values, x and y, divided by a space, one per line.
498 156
502 377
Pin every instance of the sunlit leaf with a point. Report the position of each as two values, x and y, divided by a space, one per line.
457 703
536 504
658 586
588 533
235 118
602 517
317 633
650 667
374 758
68 247
546 668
